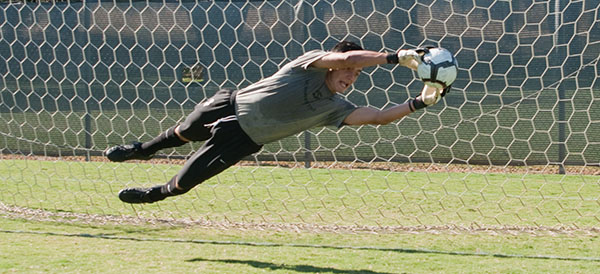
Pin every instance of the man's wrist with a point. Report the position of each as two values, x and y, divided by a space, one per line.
416 104
392 58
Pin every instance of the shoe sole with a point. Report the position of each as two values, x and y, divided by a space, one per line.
123 196
108 151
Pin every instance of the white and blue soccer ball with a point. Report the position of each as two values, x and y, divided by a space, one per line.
438 67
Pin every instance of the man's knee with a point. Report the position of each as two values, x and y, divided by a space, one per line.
177 132
187 132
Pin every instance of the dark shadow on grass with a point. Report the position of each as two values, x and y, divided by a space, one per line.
298 268
112 236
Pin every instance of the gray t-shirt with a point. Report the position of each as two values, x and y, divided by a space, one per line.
290 101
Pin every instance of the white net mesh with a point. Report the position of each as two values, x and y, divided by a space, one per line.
515 144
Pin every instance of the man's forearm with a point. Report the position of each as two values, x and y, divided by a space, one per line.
394 113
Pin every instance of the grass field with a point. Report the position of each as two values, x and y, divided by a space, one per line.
296 220
478 190
77 248
312 196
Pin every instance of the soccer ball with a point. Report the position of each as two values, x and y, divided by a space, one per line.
438 67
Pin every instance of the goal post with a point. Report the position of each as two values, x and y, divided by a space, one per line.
514 144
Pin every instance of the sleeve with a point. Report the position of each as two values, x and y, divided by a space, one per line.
308 58
342 110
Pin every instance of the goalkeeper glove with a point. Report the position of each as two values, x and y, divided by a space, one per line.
403 57
428 97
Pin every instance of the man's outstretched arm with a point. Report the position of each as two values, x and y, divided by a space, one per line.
372 116
368 115
366 58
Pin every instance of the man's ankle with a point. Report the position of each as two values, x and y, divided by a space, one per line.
156 194
171 188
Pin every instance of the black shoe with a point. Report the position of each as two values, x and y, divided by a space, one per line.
136 195
127 152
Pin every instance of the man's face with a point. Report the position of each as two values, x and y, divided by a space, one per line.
339 80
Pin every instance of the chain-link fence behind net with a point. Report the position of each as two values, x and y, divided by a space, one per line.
78 77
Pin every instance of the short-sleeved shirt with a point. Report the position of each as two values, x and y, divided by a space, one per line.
292 100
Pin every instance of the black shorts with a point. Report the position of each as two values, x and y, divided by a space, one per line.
196 126
226 142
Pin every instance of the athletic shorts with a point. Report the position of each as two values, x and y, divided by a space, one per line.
196 126
214 121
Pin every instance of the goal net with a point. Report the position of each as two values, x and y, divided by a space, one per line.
514 145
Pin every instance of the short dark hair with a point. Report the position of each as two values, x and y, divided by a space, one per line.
346 46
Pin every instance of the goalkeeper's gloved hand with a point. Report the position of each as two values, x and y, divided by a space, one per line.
404 57
428 97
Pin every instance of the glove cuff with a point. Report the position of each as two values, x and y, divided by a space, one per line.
416 104
392 58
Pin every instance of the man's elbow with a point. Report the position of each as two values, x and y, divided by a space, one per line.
381 119
351 59
384 122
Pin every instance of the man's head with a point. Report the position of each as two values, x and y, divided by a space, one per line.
345 46
339 80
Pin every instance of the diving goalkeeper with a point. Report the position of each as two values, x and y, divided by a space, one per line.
303 94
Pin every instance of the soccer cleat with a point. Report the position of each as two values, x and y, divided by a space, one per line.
137 195
127 152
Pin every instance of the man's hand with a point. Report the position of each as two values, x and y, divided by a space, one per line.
408 58
429 96
404 57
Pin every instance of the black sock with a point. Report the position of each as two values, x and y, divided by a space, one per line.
160 192
166 139
170 188
156 194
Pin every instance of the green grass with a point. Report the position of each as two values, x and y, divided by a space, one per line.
85 250
449 203
313 196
